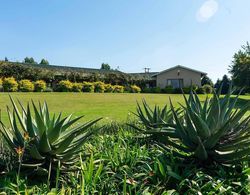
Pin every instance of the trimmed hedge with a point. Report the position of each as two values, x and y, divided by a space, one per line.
64 86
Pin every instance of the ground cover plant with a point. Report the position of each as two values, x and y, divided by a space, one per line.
120 160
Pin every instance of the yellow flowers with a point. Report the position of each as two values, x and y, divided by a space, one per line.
19 150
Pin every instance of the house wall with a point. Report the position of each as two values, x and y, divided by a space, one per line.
189 77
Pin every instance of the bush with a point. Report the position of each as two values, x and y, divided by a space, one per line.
147 90
156 90
108 88
168 89
65 86
99 87
88 87
1 84
48 89
77 87
135 89
177 91
40 85
26 86
10 84
207 89
118 89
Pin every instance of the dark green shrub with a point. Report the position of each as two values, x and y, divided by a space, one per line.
177 90
168 89
88 87
156 90
99 87
64 86
207 89
147 90
26 86
77 87
10 84
40 85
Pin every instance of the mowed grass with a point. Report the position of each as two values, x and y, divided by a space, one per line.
110 106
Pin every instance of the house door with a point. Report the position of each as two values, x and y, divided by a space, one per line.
175 83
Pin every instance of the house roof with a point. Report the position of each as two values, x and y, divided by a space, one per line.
179 66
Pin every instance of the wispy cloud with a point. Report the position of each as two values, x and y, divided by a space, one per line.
207 10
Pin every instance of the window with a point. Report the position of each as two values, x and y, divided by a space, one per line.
175 83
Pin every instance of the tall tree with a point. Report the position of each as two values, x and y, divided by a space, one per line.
29 60
105 66
240 68
206 81
44 61
224 84
6 59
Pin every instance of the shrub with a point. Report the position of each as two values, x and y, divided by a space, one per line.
1 84
207 89
168 89
26 86
40 85
42 140
88 87
177 91
118 89
10 84
48 89
99 87
108 88
147 90
156 90
135 89
64 86
77 87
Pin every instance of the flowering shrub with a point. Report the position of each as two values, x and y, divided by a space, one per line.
10 84
108 88
135 89
88 87
77 87
99 87
118 89
26 86
65 86
40 85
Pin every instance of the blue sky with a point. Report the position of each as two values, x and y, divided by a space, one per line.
201 34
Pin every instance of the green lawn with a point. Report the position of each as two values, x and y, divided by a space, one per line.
92 105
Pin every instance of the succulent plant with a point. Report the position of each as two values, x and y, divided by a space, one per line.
215 130
44 139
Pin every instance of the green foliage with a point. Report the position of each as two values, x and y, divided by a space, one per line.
77 87
168 89
26 86
105 66
207 89
42 140
206 81
135 89
108 88
40 85
64 86
29 60
118 89
10 84
156 90
99 86
240 68
88 87
44 62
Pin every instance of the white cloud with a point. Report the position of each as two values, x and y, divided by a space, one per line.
207 10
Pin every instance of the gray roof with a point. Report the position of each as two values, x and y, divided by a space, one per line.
179 66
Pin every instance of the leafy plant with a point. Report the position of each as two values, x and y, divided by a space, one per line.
26 86
213 131
40 86
99 86
45 140
65 86
118 89
88 87
10 84
135 89
77 87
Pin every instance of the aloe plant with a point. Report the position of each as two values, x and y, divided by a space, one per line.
44 139
215 130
